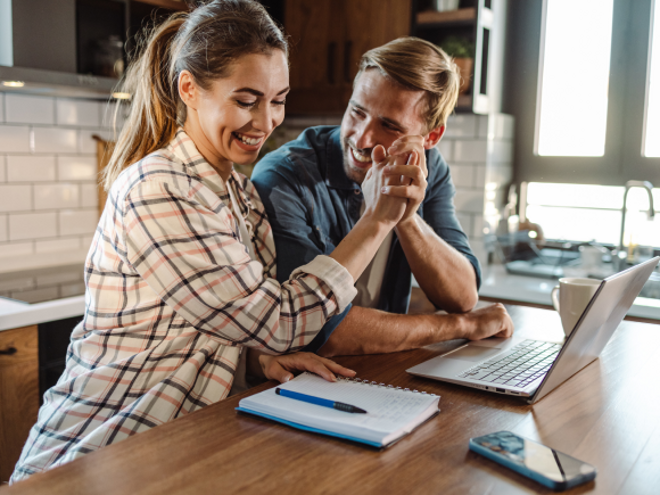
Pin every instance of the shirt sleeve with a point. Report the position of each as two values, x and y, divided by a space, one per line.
289 207
439 211
190 256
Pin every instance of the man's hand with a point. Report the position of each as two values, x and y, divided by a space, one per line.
381 207
491 321
411 177
280 368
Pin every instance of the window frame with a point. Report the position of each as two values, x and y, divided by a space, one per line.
629 65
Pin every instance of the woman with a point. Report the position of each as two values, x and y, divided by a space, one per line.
181 272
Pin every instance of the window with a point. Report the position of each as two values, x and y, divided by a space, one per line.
585 213
652 128
584 87
570 122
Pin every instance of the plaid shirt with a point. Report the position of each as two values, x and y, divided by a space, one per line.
172 299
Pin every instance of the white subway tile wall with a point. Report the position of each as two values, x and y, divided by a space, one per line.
49 196
48 193
24 226
89 195
16 249
15 139
3 228
53 246
479 150
78 168
78 222
54 140
23 109
15 197
31 168
78 112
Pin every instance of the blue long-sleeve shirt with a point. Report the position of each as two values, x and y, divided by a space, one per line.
312 205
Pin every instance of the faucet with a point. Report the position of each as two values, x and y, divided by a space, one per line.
644 184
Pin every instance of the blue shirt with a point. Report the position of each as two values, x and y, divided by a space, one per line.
312 205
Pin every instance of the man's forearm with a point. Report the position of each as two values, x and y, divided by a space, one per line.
371 331
444 274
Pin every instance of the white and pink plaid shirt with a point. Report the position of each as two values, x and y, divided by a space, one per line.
172 299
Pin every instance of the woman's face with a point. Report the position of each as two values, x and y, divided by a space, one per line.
230 121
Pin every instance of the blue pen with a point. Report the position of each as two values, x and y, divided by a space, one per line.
319 401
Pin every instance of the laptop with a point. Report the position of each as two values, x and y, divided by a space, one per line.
533 368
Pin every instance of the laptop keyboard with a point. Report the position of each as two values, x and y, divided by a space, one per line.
524 363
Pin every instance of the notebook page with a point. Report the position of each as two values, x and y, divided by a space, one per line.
388 410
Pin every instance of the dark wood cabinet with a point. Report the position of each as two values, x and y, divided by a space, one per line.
31 361
106 30
328 37
482 24
19 393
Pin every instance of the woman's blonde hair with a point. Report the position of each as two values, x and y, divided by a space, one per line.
204 42
418 65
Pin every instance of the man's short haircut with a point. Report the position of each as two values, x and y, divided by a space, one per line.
418 65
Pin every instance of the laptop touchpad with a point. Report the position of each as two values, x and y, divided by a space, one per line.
472 353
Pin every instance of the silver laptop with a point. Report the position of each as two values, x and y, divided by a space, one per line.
534 368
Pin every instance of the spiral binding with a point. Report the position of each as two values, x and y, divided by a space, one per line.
383 385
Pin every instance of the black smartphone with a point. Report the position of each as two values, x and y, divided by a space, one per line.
536 461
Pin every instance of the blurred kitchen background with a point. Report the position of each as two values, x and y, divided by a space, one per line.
554 146
559 111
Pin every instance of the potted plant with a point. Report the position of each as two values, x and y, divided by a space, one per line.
462 50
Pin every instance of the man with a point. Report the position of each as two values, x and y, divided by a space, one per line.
402 95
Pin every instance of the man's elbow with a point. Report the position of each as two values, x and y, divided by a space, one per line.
469 303
463 304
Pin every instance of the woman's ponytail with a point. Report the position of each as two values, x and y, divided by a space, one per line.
152 120
204 42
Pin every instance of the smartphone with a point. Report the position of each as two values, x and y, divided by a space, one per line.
536 461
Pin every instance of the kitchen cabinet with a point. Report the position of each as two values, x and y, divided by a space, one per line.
81 45
19 393
327 39
481 24
106 30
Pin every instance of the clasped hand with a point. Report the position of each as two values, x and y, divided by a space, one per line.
397 178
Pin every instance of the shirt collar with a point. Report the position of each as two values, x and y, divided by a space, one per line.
335 174
183 147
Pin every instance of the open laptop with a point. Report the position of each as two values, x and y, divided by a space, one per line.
534 368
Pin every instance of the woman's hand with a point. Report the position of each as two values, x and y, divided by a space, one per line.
380 206
412 172
280 368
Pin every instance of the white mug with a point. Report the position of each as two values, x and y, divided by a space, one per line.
574 295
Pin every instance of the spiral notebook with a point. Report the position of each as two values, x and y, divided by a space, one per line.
392 412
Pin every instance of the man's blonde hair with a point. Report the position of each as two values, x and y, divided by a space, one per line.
418 65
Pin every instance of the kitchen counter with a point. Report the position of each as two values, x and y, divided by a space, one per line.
498 284
15 314
38 295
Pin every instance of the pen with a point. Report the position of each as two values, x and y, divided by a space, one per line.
319 401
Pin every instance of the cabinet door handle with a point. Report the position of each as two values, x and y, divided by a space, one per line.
332 49
9 351
348 47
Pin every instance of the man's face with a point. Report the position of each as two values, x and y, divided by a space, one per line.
380 112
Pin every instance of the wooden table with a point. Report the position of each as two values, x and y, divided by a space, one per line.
607 415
